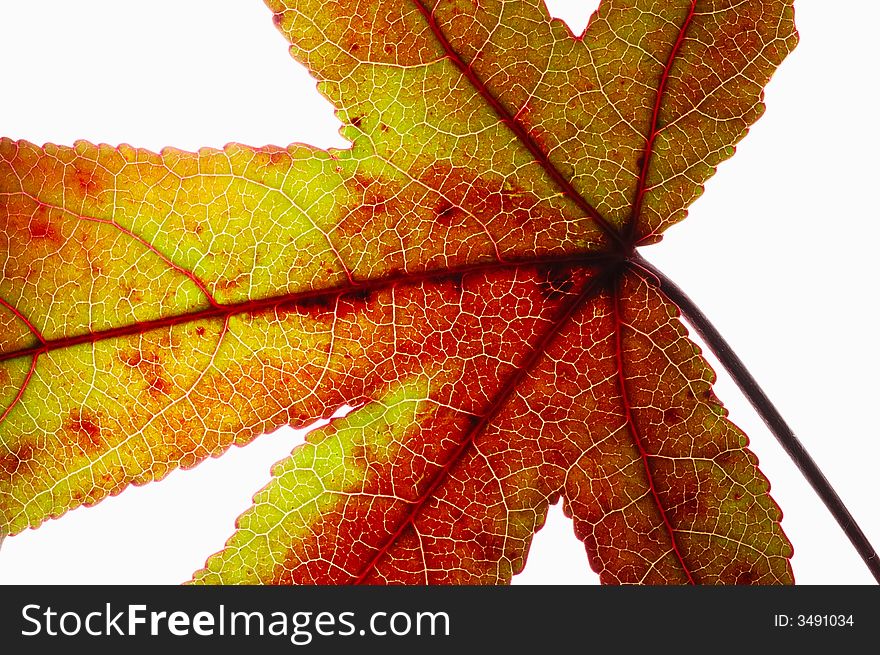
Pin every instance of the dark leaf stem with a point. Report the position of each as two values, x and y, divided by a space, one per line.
767 411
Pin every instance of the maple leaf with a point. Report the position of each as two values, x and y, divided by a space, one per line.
465 272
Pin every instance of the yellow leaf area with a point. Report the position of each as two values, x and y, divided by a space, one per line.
462 273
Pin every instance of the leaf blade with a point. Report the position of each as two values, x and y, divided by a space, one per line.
373 221
675 495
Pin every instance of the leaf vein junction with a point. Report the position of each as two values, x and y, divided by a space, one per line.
498 403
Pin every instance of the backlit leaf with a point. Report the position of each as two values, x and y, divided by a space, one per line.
461 274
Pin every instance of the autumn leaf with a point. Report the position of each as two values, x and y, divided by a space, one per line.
464 274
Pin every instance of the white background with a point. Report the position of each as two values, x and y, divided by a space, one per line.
779 252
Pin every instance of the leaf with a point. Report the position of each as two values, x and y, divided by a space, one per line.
462 272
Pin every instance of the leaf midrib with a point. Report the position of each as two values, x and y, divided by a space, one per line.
519 130
300 298
654 131
634 430
498 403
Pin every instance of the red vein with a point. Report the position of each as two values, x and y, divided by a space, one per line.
633 429
149 246
183 271
498 403
517 128
292 300
24 386
23 319
642 186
